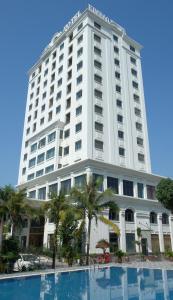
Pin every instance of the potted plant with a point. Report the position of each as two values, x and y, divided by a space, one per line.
119 253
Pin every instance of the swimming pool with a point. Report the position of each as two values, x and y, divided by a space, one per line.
114 283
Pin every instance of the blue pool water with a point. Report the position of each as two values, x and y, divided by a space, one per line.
114 283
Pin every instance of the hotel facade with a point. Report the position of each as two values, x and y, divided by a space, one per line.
85 115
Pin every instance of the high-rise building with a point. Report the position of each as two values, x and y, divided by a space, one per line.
85 114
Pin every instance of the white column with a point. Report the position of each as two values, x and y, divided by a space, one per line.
122 231
45 236
88 174
171 229
59 185
145 191
104 182
72 180
135 189
120 186
161 241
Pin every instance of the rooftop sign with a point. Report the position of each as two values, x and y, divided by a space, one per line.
99 13
71 22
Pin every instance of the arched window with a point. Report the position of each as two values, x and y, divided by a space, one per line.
129 215
165 219
153 217
113 215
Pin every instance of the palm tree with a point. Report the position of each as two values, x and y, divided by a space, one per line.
55 209
92 203
14 205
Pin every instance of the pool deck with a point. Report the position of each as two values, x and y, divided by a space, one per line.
164 265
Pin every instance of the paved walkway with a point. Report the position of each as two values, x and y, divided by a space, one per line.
167 265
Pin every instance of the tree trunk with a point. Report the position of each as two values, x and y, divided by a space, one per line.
88 241
55 245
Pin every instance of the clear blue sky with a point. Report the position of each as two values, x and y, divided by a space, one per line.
26 27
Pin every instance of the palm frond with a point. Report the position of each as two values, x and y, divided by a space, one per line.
110 223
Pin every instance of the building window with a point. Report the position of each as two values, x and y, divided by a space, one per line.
51 137
98 110
32 194
69 88
97 51
79 65
39 173
66 186
30 176
34 127
33 147
98 78
78 94
54 54
58 109
139 126
23 171
98 94
67 118
25 156
136 97
66 133
50 116
133 60
54 65
78 127
78 145
140 187
116 49
42 143
50 102
70 62
119 103
43 108
68 103
53 188
97 64
32 162
135 84
42 193
98 126
79 52
116 62
49 169
120 134
80 181
118 89
80 39
61 46
128 188
137 112
58 96
35 114
153 218
60 70
140 141
96 25
151 192
50 153
59 82
112 183
61 57
80 26
114 242
78 110
98 145
115 38
97 38
79 79
45 72
121 151
66 150
40 158
130 246
114 216
28 131
120 118
98 180
117 75
132 48
129 215
141 157
134 72
52 77
165 219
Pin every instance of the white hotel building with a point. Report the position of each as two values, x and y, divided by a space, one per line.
85 114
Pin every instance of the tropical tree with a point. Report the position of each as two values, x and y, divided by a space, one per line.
14 206
164 193
91 203
55 209
70 235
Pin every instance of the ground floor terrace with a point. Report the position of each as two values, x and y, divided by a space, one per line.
134 192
